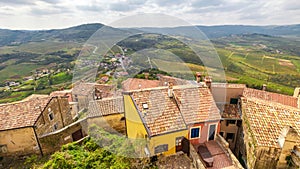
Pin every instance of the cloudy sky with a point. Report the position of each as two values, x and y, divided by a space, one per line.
47 14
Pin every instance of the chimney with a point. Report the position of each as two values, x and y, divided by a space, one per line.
170 89
208 81
264 87
198 77
146 74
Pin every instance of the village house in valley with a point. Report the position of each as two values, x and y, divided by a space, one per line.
227 97
271 124
23 123
213 123
177 118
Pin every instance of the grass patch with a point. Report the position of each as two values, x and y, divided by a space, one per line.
61 77
20 70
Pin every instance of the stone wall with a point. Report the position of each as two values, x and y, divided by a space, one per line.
223 143
266 157
53 141
61 116
112 123
196 162
291 140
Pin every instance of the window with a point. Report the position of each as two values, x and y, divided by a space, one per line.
51 116
55 127
3 148
230 122
178 141
195 132
161 148
234 101
230 137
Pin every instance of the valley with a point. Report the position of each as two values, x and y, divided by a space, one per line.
42 61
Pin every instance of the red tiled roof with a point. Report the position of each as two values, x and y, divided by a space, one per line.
229 111
135 84
162 114
107 106
105 90
196 104
228 85
85 89
63 93
23 113
267 119
189 104
269 96
164 80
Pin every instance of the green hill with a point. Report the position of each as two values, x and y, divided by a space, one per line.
250 54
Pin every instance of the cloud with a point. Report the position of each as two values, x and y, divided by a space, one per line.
51 1
204 12
125 6
91 8
204 3
121 7
49 10
17 2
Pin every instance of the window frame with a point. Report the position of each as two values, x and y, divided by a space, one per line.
178 141
161 148
216 130
196 127
51 114
55 128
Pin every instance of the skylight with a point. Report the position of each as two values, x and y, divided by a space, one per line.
145 106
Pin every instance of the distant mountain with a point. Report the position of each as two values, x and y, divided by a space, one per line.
227 30
219 31
75 34
82 32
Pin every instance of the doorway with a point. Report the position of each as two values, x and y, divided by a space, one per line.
212 132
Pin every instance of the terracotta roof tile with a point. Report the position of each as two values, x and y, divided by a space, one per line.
23 113
85 89
164 80
267 119
107 106
161 114
189 104
229 111
62 93
135 84
269 96
228 85
196 104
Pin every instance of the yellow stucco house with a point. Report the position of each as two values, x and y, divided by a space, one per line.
169 119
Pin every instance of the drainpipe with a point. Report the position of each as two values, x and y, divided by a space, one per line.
38 141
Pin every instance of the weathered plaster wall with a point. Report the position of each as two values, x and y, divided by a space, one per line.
19 142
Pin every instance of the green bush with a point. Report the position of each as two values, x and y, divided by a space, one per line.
87 156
